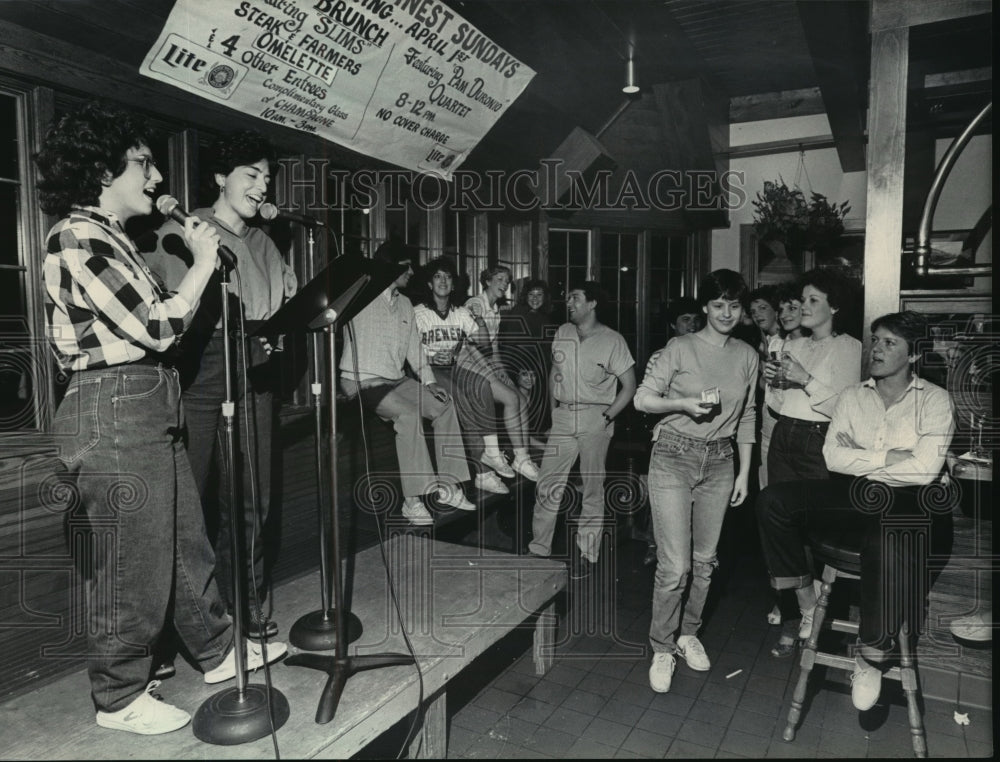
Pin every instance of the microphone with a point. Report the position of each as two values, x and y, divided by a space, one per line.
269 211
171 207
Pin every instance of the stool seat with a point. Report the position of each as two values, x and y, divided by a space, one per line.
839 547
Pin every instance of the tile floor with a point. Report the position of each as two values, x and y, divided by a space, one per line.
596 702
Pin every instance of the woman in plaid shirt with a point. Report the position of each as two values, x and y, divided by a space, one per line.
119 425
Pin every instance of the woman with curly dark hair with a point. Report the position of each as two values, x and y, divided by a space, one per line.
119 424
453 344
241 165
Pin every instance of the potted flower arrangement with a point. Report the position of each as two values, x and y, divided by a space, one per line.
784 220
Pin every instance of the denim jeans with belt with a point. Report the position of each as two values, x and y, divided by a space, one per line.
796 450
690 485
120 435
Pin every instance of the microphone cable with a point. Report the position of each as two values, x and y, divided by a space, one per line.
418 713
251 450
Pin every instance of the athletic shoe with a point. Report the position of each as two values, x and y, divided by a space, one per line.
977 627
148 715
806 625
453 497
693 652
579 565
499 464
866 685
488 481
417 513
254 658
526 468
661 672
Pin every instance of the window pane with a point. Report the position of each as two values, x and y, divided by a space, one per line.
578 247
558 246
17 387
13 310
9 254
8 138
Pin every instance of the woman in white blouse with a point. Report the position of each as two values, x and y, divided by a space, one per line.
812 372
815 369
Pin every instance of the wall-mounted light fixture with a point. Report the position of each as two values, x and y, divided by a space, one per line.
630 82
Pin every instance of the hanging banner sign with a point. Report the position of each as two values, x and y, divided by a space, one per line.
407 81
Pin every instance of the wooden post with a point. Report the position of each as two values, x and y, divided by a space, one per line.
886 156
545 639
431 741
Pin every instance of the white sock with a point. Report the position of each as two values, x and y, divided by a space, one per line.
492 445
520 453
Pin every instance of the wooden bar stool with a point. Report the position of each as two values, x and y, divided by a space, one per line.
840 554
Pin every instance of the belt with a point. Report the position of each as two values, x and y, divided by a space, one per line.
579 405
701 444
802 422
154 360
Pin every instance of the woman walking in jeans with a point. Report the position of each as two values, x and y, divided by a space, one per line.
703 384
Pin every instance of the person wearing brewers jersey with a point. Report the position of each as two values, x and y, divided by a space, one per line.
450 338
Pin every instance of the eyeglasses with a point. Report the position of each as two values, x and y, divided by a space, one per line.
147 164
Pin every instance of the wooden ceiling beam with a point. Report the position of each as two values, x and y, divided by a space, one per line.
897 14
834 34
787 103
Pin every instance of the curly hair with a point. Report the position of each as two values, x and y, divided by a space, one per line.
80 149
532 284
765 293
487 275
427 273
240 149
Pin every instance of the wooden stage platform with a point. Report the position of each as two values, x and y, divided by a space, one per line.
456 601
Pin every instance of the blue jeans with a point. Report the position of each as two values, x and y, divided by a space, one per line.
203 399
690 485
119 431
796 450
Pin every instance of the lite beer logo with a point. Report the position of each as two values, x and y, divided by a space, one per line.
198 67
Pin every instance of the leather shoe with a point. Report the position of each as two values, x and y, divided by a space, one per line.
258 626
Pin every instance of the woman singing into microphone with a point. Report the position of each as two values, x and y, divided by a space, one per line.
242 165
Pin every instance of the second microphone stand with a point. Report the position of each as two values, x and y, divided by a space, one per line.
240 714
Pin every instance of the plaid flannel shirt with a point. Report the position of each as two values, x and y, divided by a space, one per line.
103 306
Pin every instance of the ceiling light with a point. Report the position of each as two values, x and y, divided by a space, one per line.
630 84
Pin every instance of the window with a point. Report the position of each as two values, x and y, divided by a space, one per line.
465 240
619 278
514 251
669 276
569 262
23 352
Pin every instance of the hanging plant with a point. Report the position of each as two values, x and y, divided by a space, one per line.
782 214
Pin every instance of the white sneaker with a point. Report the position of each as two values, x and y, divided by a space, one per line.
148 715
417 513
254 658
806 625
661 672
866 685
526 468
453 497
499 464
689 647
490 482
977 627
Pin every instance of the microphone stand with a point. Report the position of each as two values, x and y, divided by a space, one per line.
340 666
236 715
317 630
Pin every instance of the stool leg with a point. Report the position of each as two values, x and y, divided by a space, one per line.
809 654
908 677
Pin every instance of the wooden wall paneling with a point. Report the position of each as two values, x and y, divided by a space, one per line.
886 156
